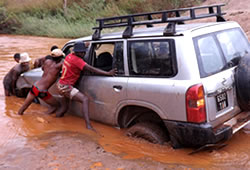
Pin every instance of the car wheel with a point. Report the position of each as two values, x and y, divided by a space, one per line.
148 131
242 82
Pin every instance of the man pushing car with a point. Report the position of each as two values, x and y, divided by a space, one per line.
72 66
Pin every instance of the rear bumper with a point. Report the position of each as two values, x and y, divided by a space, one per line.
191 134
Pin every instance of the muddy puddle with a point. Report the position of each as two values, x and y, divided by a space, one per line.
34 133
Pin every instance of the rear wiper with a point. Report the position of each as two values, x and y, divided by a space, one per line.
233 62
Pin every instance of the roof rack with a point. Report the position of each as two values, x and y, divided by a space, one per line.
172 17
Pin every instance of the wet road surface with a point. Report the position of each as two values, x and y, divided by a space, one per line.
26 136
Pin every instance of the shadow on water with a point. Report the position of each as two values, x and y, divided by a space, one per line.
16 132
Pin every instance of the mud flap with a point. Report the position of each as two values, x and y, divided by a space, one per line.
208 147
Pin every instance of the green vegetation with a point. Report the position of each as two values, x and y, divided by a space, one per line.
54 19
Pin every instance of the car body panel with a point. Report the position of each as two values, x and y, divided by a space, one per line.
224 83
105 94
28 78
161 94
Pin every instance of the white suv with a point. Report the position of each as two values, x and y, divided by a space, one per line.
174 82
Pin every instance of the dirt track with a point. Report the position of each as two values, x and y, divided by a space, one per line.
237 10
67 150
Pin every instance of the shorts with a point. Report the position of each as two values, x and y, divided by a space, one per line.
67 90
42 94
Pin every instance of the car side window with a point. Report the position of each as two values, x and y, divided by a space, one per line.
107 56
118 61
153 58
68 49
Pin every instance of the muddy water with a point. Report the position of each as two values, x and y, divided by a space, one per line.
19 131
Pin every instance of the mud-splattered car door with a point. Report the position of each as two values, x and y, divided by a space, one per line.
105 93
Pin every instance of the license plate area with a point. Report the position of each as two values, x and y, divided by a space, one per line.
221 101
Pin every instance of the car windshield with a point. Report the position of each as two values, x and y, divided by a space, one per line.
219 51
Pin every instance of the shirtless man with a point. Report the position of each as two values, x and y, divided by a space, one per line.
40 61
11 77
51 70
72 66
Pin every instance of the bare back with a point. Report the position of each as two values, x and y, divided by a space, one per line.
11 77
51 71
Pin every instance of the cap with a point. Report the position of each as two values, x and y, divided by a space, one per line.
57 53
24 57
79 47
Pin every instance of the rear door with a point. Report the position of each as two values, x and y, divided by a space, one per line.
152 66
217 55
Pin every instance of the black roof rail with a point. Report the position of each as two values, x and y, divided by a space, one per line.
172 17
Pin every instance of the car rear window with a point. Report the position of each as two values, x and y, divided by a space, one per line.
153 58
216 50
233 43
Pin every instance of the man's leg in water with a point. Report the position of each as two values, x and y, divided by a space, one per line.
7 89
7 93
64 102
85 108
26 104
53 105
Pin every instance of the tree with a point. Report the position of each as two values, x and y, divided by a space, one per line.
65 7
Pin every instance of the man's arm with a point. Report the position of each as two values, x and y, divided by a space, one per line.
43 66
37 63
15 76
59 65
99 71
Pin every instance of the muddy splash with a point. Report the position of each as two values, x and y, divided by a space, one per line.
50 142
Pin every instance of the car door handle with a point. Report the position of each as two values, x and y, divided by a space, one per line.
117 88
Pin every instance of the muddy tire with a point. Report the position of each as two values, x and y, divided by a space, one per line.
242 82
148 131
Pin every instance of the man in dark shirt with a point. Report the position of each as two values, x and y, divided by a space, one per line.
11 77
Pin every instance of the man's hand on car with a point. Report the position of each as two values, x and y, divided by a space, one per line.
113 72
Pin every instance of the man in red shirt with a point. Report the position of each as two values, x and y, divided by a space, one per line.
72 66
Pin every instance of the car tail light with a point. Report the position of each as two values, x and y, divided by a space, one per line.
195 104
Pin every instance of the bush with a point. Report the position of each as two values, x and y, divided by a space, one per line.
8 22
48 18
